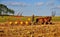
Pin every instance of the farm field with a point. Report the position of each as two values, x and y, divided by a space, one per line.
23 18
49 30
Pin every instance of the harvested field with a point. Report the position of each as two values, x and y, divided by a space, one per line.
31 31
42 30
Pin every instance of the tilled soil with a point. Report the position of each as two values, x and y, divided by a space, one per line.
31 31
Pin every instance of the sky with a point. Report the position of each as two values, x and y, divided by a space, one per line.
36 7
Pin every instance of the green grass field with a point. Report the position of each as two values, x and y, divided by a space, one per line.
12 18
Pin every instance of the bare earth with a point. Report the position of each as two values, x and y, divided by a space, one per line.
31 31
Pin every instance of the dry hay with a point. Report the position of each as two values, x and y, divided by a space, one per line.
31 31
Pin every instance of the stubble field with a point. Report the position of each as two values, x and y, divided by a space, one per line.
49 30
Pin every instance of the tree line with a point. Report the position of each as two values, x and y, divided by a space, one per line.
4 10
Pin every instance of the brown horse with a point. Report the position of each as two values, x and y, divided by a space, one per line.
48 19
42 20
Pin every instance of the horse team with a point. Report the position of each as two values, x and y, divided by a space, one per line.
42 20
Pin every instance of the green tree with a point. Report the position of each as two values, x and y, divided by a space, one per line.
4 9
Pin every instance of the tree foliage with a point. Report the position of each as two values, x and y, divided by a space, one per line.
4 9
